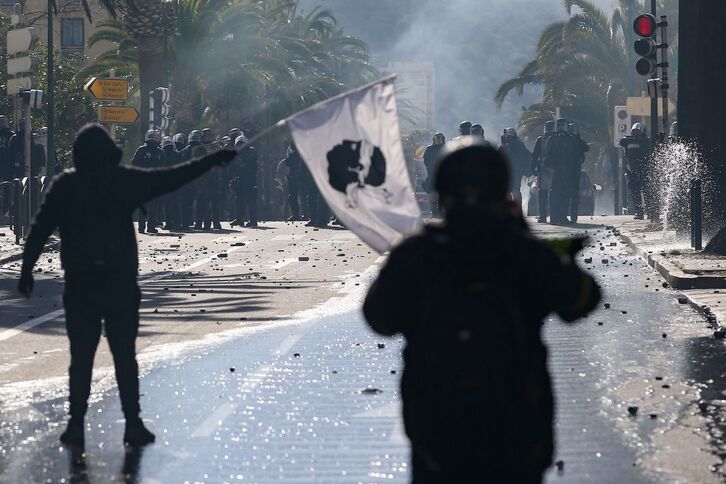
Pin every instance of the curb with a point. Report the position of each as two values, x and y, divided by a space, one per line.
681 281
672 274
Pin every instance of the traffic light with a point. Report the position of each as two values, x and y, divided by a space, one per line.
646 47
159 108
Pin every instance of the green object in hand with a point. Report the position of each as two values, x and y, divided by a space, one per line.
567 245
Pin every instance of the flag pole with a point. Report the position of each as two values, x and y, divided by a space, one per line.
283 122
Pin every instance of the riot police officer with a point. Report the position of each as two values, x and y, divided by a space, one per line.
544 178
149 155
245 185
519 160
294 165
637 149
6 163
170 202
573 170
557 151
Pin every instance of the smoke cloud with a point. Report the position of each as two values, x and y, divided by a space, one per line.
474 45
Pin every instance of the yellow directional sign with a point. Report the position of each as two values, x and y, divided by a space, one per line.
117 115
105 89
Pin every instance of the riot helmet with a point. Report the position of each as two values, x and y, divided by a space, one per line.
549 127
180 139
674 130
477 130
573 129
195 137
167 141
234 133
207 136
638 129
561 125
510 132
241 140
439 139
465 128
153 135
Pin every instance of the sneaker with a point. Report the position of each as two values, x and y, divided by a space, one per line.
137 435
73 434
251 224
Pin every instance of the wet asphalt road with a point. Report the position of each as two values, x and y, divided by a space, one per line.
315 399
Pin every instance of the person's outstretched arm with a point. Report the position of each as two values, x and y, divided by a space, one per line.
45 222
138 185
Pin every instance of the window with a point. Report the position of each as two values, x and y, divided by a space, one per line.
72 33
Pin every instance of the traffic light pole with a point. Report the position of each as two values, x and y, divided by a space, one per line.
664 68
654 99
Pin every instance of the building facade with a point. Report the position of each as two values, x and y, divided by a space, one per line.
71 30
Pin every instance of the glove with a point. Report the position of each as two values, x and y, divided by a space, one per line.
26 283
222 157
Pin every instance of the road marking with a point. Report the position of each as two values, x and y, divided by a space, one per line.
9 333
287 345
217 418
209 425
283 263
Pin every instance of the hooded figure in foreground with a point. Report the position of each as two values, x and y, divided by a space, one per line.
470 297
92 206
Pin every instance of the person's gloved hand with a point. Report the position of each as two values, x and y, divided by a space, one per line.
222 157
26 283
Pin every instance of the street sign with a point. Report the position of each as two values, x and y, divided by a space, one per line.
35 99
21 40
640 106
117 114
20 65
622 124
105 89
14 85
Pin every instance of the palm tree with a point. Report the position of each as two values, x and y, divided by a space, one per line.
584 65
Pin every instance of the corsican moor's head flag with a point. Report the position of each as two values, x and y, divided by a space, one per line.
352 146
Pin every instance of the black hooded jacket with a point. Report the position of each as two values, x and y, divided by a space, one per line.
92 206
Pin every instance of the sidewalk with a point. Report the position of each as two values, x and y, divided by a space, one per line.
701 278
9 250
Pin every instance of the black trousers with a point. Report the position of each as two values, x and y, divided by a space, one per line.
246 201
88 301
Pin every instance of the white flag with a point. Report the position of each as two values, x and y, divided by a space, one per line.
352 146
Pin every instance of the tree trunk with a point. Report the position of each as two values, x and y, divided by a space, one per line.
151 73
701 99
186 99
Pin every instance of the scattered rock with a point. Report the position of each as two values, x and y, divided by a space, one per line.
231 369
588 260
296 355
381 346
659 378
393 372
600 323
664 335
653 416
682 300
607 305
372 391
605 261
666 386
560 465
238 244
665 285
303 259
633 411
222 255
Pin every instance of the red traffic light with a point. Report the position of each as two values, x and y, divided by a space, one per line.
645 25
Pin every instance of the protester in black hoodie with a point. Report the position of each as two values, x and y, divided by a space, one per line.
92 206
470 298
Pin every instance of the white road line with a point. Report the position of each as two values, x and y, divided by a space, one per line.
217 418
282 263
9 333
287 345
211 423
